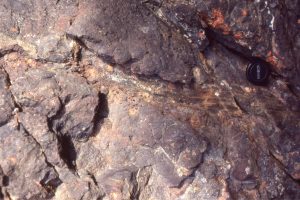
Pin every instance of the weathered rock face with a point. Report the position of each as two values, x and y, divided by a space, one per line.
148 100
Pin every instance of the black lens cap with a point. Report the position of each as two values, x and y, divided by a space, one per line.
258 72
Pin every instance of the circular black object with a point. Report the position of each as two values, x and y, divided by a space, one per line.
258 73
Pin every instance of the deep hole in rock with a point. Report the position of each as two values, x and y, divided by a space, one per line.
135 193
101 112
67 151
49 183
5 181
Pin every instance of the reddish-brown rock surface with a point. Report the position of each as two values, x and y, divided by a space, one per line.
132 99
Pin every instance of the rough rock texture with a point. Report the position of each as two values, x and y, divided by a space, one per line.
135 99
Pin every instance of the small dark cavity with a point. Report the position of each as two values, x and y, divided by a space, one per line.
49 183
5 181
101 112
67 151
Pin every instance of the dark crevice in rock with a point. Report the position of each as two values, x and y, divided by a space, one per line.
8 195
283 168
135 193
51 185
10 49
67 151
237 49
9 84
237 103
139 180
230 45
101 112
17 106
5 181
93 178
80 41
101 197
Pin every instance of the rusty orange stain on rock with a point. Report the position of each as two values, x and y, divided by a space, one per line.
271 58
217 21
132 112
274 60
92 73
244 12
109 68
14 29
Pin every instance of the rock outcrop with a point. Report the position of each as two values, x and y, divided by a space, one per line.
135 99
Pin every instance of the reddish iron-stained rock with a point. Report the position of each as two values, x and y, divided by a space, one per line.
134 99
